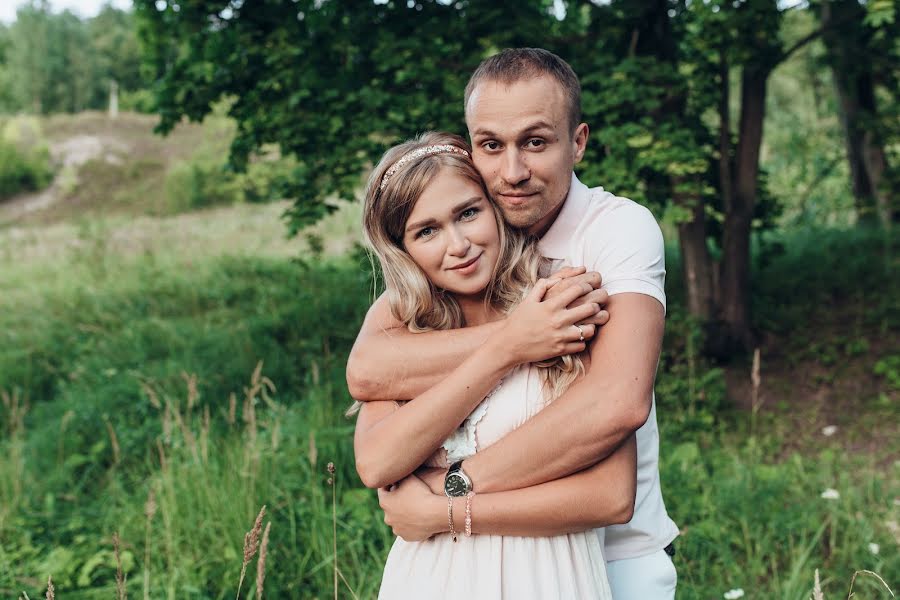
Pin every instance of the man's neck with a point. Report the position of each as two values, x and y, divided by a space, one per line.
541 227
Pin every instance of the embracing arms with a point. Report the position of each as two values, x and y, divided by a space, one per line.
594 416
391 441
388 362
584 500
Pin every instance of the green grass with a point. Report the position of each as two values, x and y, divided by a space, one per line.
104 321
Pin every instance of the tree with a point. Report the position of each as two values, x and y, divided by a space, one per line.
60 63
854 53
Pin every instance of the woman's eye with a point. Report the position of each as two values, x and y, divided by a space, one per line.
425 232
468 214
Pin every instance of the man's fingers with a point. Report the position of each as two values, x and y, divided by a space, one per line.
599 319
565 297
567 272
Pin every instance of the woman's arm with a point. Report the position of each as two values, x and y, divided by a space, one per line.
391 441
582 501
389 362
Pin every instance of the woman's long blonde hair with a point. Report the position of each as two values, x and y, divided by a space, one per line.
413 298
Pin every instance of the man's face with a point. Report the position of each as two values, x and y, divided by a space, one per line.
524 148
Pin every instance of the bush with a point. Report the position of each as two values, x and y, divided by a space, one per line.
204 181
23 171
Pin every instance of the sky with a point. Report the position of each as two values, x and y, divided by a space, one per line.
82 8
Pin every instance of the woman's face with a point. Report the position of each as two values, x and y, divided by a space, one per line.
452 234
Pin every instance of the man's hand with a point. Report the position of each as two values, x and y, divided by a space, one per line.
433 478
570 276
412 511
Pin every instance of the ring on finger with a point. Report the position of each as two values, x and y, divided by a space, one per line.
580 333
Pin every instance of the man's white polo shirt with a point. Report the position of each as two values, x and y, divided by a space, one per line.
622 241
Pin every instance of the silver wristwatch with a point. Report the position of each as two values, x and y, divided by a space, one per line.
456 482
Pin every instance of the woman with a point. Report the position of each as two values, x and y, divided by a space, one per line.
450 261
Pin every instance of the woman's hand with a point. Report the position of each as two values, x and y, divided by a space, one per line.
412 511
542 327
575 275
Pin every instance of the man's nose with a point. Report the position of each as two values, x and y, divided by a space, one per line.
458 244
514 170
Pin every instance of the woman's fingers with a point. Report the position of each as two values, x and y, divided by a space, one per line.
582 313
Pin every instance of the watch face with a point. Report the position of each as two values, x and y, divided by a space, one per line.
455 485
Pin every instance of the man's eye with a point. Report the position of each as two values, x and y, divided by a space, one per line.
468 214
536 143
490 145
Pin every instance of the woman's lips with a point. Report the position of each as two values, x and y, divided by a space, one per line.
469 267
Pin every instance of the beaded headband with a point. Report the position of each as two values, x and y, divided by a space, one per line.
420 153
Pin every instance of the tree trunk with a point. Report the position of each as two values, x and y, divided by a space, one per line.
846 44
696 262
657 40
735 281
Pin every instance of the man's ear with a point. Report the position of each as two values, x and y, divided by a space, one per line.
579 141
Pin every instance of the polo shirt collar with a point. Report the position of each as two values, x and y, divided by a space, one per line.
555 243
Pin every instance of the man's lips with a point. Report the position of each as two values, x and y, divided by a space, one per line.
468 263
516 197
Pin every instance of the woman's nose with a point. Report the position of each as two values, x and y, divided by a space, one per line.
459 244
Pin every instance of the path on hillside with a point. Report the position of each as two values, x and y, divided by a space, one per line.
68 154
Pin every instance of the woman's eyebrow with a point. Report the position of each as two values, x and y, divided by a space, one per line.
458 208
466 204
418 224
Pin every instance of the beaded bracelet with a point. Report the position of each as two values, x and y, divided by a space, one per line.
450 517
469 514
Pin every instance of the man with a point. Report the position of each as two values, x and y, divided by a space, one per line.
523 111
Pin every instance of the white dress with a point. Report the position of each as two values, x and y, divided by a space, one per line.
495 567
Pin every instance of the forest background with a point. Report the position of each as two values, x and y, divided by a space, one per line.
177 309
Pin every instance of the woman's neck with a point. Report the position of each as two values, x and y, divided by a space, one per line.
476 311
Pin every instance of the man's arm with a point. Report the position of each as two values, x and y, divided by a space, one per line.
389 362
579 502
392 440
594 416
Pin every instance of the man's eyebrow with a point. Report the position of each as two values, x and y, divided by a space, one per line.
537 125
482 131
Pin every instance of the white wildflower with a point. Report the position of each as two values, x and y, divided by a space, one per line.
829 430
734 594
831 494
874 548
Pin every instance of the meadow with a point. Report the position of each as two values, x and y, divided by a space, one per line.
167 369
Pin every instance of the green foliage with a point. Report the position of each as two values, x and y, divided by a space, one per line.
205 180
113 344
24 157
22 171
61 63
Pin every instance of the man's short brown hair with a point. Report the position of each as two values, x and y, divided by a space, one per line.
517 64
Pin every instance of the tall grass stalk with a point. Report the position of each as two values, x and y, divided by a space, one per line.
251 545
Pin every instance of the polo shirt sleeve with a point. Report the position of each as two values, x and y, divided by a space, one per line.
625 245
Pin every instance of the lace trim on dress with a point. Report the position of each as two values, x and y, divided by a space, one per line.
463 442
